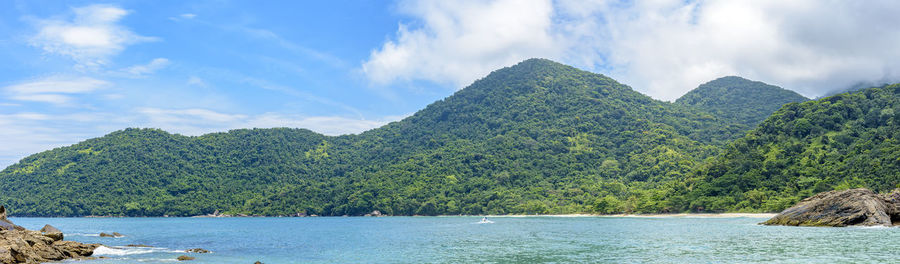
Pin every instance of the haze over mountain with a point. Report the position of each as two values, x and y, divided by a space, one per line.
537 137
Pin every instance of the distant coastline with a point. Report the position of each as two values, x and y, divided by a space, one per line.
678 215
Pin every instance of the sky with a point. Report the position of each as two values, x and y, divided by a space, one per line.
74 70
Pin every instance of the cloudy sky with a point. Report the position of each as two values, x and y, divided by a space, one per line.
73 70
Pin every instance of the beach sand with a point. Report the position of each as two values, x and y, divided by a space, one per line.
682 215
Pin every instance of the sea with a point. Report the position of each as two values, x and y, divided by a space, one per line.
538 239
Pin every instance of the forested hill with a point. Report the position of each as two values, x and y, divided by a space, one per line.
537 137
743 101
844 141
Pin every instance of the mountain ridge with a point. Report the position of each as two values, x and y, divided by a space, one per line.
744 101
536 137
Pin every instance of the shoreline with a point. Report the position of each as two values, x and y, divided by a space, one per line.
678 215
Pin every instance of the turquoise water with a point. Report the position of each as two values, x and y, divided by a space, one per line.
464 240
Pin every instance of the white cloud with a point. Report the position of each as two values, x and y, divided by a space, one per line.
90 38
54 90
328 125
197 121
26 133
460 41
185 16
146 69
663 48
196 81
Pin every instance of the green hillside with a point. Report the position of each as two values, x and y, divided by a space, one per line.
843 141
743 101
537 137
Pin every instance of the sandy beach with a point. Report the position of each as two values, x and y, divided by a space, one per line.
680 215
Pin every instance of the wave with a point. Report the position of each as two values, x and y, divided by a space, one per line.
82 234
125 251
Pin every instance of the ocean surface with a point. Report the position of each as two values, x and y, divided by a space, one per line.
465 240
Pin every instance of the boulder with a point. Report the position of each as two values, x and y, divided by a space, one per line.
52 232
5 224
28 246
114 234
50 229
183 257
197 250
18 245
854 207
139 245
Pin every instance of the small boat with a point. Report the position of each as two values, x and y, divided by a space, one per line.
484 220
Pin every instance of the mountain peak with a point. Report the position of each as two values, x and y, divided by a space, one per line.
740 99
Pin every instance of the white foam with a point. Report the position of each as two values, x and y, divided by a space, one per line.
83 234
118 251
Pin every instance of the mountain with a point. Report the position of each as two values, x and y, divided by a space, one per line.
843 141
536 137
740 100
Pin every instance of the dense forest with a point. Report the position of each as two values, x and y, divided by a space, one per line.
843 141
535 138
743 101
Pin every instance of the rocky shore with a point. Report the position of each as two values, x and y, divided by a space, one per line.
18 245
854 207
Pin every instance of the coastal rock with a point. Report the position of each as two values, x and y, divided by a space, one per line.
26 246
197 250
5 224
52 232
50 229
114 234
374 213
854 207
18 245
138 245
183 258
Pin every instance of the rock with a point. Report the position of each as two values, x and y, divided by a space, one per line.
183 257
50 229
854 207
197 250
52 232
138 245
18 245
34 247
114 234
5 224
374 213
257 262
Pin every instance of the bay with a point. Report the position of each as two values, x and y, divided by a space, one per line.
465 240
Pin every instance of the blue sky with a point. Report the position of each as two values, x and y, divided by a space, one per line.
74 70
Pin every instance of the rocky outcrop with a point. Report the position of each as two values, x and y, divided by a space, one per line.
114 234
52 232
18 245
854 207
197 250
5 224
